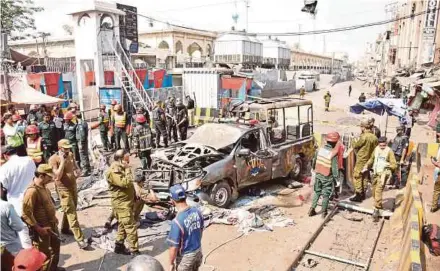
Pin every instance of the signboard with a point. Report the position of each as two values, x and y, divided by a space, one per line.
128 24
107 95
429 30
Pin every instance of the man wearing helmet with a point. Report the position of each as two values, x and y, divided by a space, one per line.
326 167
383 163
120 124
47 130
104 123
142 138
34 147
364 147
13 134
73 108
182 119
171 112
70 134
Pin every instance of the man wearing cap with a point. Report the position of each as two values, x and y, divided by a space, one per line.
120 179
40 216
82 133
185 237
364 147
383 163
30 259
160 124
326 167
104 123
66 172
16 175
399 147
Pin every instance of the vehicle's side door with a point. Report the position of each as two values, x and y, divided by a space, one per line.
253 158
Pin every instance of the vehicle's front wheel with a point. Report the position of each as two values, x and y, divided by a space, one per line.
221 194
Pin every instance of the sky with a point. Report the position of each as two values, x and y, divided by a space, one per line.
263 16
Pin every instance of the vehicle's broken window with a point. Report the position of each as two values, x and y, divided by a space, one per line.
292 123
276 126
251 141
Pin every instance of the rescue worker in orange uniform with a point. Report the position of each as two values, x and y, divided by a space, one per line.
120 124
326 167
34 147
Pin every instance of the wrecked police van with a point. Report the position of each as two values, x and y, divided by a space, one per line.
266 139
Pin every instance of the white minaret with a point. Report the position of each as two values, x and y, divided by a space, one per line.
95 26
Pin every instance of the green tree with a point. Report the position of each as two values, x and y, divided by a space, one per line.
17 15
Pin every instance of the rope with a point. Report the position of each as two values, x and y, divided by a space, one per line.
222 244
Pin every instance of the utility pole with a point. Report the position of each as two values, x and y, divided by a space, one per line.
324 49
299 36
246 3
4 64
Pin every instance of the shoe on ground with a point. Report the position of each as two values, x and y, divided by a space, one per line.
82 244
135 253
356 198
67 232
121 249
324 214
312 212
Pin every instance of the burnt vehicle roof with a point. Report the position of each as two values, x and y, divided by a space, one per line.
267 104
219 135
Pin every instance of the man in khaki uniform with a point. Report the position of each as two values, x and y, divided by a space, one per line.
327 99
364 147
66 172
302 92
383 163
120 180
39 215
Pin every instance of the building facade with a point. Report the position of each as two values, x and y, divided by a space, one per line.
301 60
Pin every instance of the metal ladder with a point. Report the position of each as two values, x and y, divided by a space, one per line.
137 95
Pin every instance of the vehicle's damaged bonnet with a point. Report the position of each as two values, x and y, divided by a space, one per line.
216 135
182 155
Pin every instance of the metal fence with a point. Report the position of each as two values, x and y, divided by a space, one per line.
65 64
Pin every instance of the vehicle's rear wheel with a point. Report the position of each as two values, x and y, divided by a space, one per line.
221 194
297 169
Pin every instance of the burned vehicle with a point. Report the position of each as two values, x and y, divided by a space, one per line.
268 139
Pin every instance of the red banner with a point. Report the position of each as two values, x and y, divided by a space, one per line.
158 78
52 80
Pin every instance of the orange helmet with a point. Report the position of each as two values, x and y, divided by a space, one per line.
32 130
114 102
141 118
16 117
332 137
68 116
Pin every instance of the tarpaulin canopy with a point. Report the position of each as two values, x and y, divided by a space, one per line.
379 106
22 93
24 59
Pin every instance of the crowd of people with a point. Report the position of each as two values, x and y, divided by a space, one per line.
378 161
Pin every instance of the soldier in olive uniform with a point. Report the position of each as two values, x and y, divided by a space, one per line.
182 119
47 130
142 138
82 132
32 117
171 112
400 147
120 180
326 166
383 163
70 134
364 147
374 129
39 214
104 122
160 124
40 113
327 98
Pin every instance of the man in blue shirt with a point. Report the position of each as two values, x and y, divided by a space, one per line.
185 237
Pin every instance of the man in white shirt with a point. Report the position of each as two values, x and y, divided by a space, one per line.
15 176
11 224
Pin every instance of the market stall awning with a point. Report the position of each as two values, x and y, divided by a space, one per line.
393 107
22 93
24 59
